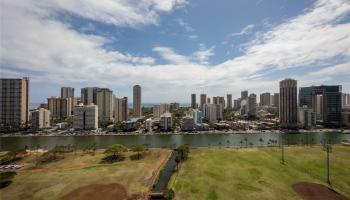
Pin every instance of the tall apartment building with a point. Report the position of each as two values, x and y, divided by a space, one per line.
120 109
208 100
305 97
276 100
60 108
105 104
164 108
197 116
244 94
89 95
203 99
210 112
237 103
288 104
193 101
68 92
156 111
14 101
229 101
40 118
165 122
85 117
137 101
265 99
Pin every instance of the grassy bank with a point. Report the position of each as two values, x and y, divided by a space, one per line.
256 173
56 179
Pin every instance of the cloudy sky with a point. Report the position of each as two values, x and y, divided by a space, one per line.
173 48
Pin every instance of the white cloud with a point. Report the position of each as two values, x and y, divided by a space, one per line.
35 43
245 31
184 24
169 55
203 54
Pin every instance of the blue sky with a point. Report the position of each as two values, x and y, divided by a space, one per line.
175 47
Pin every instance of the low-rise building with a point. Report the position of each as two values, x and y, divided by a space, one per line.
187 123
306 117
85 117
345 116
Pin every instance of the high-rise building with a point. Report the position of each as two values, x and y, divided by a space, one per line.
60 108
248 106
156 111
187 123
265 99
288 104
208 100
276 99
229 101
120 109
193 101
244 94
67 92
210 112
197 116
325 101
14 101
348 99
40 119
174 106
165 122
343 100
164 108
237 103
105 104
252 105
89 95
203 99
85 117
137 101
305 97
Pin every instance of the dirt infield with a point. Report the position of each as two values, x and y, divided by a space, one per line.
98 191
313 191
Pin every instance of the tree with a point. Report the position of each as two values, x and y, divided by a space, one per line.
228 143
114 153
182 152
138 148
261 141
246 142
241 142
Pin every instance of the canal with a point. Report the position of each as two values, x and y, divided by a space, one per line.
157 141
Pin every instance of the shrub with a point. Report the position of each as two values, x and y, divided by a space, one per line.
169 194
113 158
6 178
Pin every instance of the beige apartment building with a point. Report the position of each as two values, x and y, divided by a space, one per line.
14 101
137 101
120 109
60 108
104 98
40 118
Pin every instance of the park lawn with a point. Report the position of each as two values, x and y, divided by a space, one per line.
56 179
256 173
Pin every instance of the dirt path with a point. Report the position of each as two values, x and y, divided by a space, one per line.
111 191
313 191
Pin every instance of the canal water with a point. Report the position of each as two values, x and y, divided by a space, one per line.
157 141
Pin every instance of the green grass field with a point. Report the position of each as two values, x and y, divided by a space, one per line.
57 179
256 173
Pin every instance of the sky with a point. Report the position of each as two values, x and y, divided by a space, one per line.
173 48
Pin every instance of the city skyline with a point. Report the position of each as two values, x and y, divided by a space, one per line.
165 47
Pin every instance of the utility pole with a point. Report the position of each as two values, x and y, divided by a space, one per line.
328 149
282 146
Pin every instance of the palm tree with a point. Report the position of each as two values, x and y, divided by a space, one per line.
220 144
241 143
246 142
228 143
